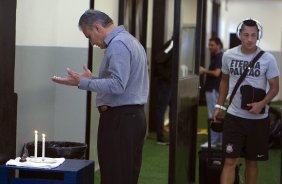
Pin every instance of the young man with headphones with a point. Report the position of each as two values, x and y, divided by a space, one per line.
246 124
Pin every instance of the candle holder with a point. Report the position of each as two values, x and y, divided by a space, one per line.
46 160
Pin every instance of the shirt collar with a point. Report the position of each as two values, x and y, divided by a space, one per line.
113 34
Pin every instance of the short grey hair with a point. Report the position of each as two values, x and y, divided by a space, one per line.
91 16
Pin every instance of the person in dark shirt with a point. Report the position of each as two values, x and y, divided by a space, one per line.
211 87
163 73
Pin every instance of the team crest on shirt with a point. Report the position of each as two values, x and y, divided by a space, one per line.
229 148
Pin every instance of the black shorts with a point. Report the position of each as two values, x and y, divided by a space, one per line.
246 138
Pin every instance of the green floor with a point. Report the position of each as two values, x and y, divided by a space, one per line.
155 160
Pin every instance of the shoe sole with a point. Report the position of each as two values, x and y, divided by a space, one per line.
162 143
212 146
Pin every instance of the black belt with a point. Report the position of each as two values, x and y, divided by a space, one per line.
104 108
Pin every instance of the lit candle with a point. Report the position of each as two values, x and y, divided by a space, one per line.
43 146
35 143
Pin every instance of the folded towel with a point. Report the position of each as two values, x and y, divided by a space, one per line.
49 163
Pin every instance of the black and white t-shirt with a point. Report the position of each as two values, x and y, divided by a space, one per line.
234 63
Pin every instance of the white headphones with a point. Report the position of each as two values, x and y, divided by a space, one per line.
259 26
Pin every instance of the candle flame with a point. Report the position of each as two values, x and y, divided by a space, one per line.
43 135
36 131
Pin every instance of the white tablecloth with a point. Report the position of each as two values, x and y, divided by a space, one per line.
28 163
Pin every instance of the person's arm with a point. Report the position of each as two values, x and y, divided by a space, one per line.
223 91
215 73
256 107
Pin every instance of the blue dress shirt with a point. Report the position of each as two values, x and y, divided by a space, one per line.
123 75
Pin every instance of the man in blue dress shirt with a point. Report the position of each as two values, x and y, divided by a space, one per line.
122 89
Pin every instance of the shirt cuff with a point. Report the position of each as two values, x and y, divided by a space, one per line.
83 84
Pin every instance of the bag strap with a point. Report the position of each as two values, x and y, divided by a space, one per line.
242 77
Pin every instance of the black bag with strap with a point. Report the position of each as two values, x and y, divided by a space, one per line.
243 76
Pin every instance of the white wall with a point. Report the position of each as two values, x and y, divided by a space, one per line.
266 12
149 24
36 25
168 32
189 12
50 23
47 41
110 8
